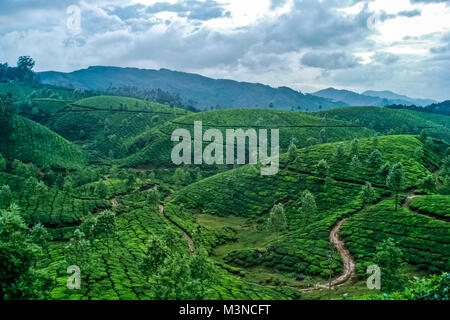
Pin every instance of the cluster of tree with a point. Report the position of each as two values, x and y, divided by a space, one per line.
80 250
22 72
155 95
20 250
440 108
173 275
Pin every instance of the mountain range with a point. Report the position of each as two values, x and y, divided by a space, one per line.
207 93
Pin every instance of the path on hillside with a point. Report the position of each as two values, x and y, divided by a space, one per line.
412 196
186 236
348 262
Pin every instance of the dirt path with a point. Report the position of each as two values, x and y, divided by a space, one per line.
189 240
416 211
348 262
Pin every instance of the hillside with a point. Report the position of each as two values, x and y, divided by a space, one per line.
386 120
102 124
154 146
207 92
370 98
303 247
29 141
400 99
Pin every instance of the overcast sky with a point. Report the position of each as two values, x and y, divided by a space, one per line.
401 45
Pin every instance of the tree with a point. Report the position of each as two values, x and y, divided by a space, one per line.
277 219
106 228
101 190
354 147
156 254
2 163
202 273
292 151
385 169
390 260
40 235
339 152
179 177
323 135
375 159
153 197
5 197
19 278
355 164
395 181
25 63
428 183
322 169
309 207
79 252
367 194
88 226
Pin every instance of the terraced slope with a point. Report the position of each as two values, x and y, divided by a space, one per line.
103 124
386 120
154 146
29 141
305 245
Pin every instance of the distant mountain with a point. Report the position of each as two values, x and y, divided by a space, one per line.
350 98
205 92
391 96
370 98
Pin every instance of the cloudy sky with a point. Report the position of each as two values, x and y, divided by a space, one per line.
401 45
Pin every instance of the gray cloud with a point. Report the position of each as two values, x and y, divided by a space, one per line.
191 9
331 61
386 58
410 13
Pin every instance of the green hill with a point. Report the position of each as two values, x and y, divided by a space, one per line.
103 124
303 247
154 146
29 141
390 121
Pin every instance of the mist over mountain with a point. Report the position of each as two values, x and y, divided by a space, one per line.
206 93
392 96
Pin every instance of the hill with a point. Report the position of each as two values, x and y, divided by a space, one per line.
206 92
154 146
28 141
304 246
102 124
392 121
398 98
370 98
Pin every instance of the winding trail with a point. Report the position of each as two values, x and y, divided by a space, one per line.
186 236
406 205
348 262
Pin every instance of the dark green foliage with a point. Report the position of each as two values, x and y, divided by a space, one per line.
277 219
395 181
390 259
19 277
368 195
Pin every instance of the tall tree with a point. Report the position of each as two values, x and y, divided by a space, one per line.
390 260
292 151
277 219
106 227
309 207
367 194
375 159
395 181
322 169
153 197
